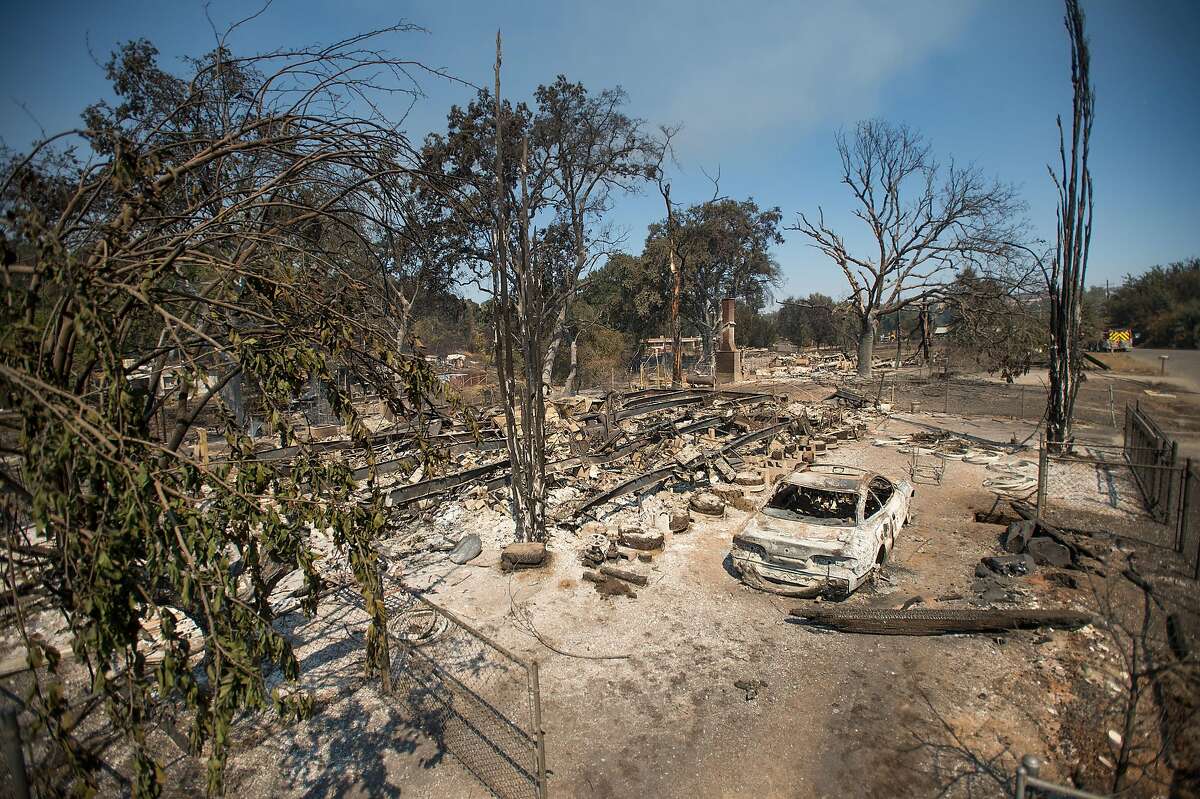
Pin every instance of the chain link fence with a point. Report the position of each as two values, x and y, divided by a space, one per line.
1138 490
477 700
1093 487
965 397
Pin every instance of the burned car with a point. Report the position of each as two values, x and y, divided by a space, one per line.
823 532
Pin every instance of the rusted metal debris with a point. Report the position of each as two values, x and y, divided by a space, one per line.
852 398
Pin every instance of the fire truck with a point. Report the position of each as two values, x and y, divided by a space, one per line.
1117 340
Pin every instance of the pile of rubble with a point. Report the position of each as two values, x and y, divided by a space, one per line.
623 470
822 369
1031 544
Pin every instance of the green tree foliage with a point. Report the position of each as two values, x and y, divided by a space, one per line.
1162 306
444 323
755 329
809 321
725 249
633 294
580 150
232 227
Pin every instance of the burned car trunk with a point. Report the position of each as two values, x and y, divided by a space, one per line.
823 532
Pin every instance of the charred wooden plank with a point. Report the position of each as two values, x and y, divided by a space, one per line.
874 621
627 576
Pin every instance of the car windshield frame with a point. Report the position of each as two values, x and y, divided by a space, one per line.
828 521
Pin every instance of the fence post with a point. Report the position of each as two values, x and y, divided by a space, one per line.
1043 468
535 689
1125 438
14 757
1188 478
1030 766
1184 499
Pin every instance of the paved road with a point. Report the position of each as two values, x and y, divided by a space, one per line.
1183 366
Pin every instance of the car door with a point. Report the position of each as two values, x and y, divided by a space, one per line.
892 509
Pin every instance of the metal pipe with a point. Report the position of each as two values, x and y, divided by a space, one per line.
14 757
535 688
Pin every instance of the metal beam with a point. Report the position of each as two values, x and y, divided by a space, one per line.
636 483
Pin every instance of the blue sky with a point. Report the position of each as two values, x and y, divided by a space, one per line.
760 88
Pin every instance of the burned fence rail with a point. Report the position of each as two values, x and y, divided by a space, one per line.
1029 784
476 699
938 621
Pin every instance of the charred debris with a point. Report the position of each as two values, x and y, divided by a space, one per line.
623 470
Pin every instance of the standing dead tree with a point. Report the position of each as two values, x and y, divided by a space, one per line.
1068 267
229 229
924 222
676 267
519 296
531 189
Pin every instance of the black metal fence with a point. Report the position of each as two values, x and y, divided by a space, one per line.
1153 458
1189 517
480 702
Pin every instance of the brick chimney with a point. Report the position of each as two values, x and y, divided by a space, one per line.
729 357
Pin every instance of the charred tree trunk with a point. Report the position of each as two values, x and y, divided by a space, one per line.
556 337
573 375
1069 269
866 344
899 341
506 377
711 317
526 445
676 291
925 334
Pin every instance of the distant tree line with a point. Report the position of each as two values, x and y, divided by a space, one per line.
1161 306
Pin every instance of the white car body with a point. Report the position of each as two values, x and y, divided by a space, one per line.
823 531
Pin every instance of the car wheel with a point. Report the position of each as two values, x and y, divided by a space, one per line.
882 557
